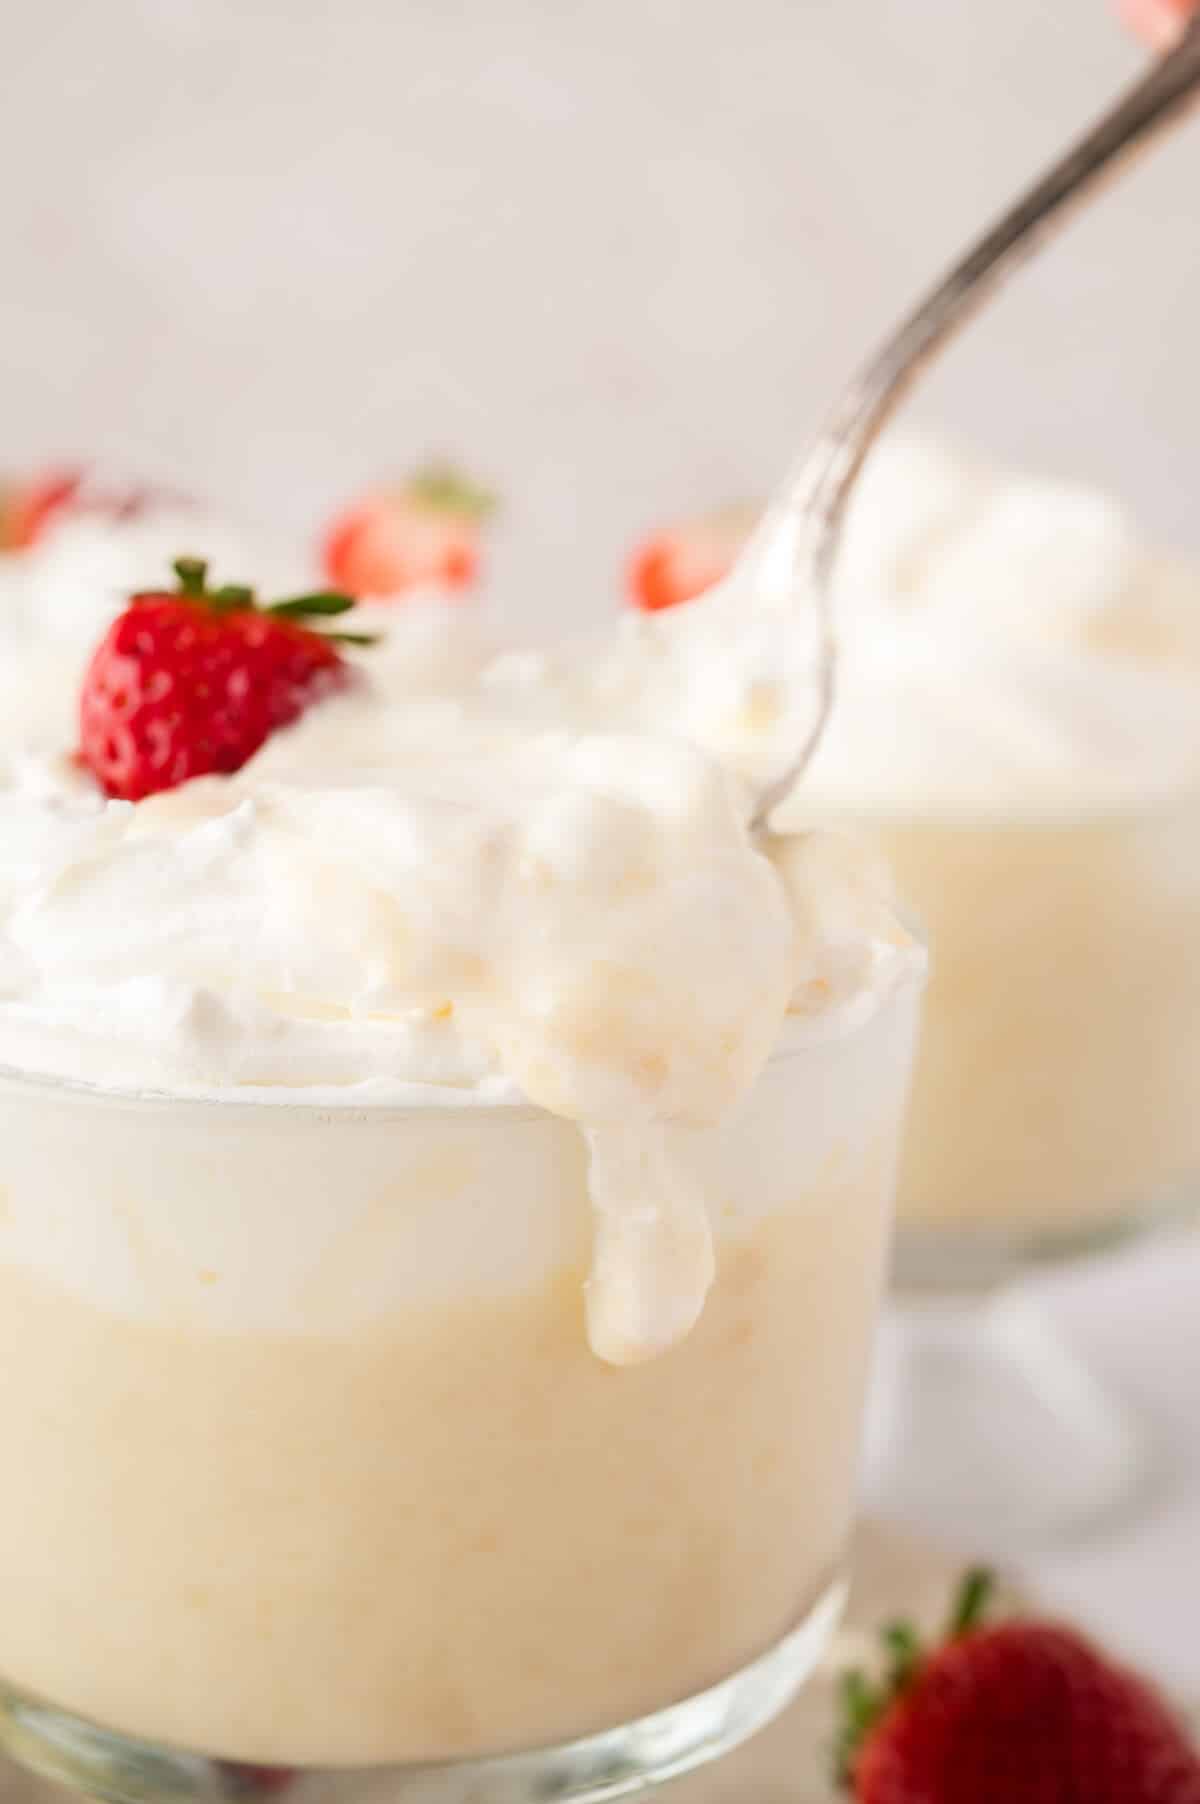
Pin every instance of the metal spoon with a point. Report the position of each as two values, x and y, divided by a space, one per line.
800 531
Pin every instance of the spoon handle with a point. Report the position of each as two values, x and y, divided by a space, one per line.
807 514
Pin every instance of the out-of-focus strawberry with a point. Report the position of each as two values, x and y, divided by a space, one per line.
679 562
1160 23
425 533
1015 1713
30 507
27 507
191 682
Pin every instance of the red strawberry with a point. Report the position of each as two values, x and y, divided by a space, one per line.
1022 1711
681 562
424 533
26 508
190 682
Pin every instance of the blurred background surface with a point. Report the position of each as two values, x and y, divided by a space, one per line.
616 258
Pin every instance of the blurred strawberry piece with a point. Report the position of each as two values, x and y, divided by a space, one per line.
27 507
1158 23
679 562
424 534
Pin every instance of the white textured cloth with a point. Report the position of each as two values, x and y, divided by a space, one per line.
1135 1319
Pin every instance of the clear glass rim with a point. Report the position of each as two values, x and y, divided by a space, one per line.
348 1102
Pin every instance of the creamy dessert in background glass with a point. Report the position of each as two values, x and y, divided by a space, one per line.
445 1176
1018 729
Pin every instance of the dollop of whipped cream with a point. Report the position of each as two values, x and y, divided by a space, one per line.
520 876
1007 645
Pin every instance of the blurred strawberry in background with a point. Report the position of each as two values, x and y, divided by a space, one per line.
1158 22
679 562
424 533
29 504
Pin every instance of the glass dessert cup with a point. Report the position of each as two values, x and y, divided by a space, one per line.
314 1484
1053 1116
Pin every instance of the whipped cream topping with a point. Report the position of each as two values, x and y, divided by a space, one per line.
519 876
1007 645
77 577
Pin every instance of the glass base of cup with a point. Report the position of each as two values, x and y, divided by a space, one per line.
612 1764
986 1431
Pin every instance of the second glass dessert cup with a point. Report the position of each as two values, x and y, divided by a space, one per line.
314 1484
1053 1117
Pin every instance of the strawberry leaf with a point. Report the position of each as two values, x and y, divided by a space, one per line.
233 598
325 601
864 1701
445 490
903 1646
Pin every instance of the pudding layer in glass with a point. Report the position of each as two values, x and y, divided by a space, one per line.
308 1459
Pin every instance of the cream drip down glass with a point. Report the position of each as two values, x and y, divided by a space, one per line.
443 1206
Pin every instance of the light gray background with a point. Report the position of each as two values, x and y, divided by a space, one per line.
618 256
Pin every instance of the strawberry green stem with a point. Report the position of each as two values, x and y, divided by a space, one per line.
971 1603
191 572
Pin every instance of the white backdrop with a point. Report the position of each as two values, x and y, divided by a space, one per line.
617 256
